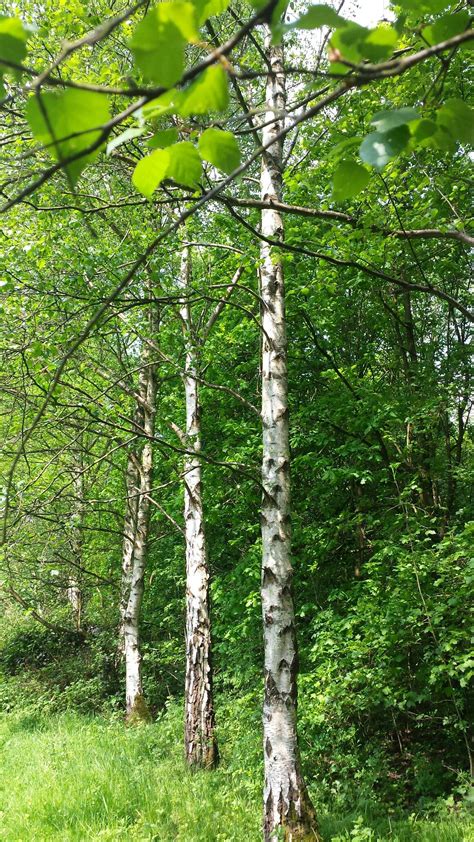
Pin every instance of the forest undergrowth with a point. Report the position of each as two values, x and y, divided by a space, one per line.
71 770
71 777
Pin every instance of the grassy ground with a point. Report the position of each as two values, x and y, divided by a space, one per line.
72 777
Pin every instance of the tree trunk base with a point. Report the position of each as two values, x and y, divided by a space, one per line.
206 758
139 713
299 831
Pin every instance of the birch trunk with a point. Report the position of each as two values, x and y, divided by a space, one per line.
130 602
136 528
74 591
287 808
75 599
199 736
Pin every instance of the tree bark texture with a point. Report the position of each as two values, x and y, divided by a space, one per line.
136 531
74 593
287 807
200 743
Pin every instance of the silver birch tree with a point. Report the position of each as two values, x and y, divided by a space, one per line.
139 478
199 736
287 808
74 592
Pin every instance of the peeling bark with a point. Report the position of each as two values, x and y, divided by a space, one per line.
199 736
287 807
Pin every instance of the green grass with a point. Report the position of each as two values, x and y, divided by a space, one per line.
72 777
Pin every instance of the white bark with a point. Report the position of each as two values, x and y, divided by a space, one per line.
75 598
136 528
287 807
200 745
132 592
74 591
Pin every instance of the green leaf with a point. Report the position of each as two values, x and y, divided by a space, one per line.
219 148
446 27
277 25
443 139
164 105
208 8
386 120
163 62
319 15
349 179
184 164
377 149
128 134
180 162
68 122
208 93
456 116
163 138
13 27
421 131
338 68
159 39
182 15
380 43
348 41
355 42
150 172
13 37
343 146
432 6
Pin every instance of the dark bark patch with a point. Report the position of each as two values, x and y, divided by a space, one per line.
271 689
269 576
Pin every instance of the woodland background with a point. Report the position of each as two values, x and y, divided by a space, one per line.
380 396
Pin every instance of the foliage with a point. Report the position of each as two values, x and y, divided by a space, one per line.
376 263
